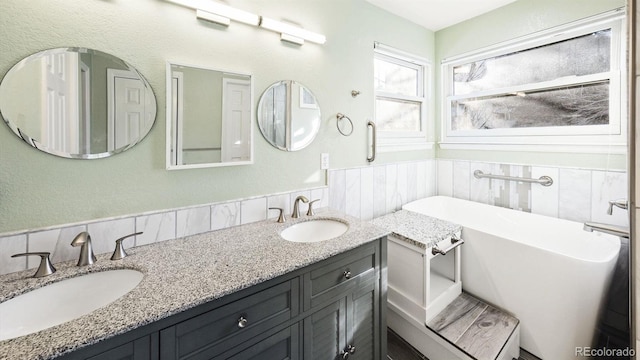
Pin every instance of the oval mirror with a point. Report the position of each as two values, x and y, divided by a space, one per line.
288 115
77 103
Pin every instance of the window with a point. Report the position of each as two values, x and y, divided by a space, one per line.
400 99
558 88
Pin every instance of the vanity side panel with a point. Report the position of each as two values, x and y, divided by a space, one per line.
381 298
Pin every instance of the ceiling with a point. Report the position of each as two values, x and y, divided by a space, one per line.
438 14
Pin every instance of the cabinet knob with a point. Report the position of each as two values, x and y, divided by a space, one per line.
242 322
350 350
347 274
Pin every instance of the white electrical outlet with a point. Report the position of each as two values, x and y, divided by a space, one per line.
324 161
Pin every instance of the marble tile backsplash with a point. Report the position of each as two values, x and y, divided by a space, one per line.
155 227
576 194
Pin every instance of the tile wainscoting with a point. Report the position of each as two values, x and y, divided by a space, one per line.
576 194
375 190
364 192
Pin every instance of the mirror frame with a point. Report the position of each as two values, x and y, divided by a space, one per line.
94 52
169 119
301 104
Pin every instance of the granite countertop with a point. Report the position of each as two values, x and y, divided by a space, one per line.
417 229
178 275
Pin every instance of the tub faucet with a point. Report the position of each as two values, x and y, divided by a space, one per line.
607 229
296 204
86 251
620 203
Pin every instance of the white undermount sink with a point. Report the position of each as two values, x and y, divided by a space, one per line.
314 230
64 301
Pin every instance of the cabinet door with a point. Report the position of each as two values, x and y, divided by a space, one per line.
324 332
363 333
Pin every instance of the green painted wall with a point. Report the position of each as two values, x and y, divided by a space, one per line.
517 19
37 189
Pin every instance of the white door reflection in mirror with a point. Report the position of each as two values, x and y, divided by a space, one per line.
126 102
209 116
236 110
61 101
177 89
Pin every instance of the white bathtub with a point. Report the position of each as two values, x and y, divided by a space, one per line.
548 272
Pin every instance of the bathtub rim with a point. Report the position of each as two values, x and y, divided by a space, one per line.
610 245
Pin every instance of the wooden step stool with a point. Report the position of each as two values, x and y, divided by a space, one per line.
481 331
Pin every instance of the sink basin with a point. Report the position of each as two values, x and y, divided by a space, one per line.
63 301
314 230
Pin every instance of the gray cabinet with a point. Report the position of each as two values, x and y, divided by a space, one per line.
315 313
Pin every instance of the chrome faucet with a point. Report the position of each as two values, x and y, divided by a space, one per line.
86 251
296 205
620 203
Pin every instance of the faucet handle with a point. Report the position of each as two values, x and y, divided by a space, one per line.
119 253
620 203
310 211
281 218
45 268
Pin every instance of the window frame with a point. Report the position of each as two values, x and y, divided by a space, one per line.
607 138
404 140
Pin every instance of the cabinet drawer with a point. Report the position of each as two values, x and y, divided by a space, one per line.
139 349
331 280
283 345
213 332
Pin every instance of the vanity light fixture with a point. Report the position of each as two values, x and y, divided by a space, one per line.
219 13
205 15
291 33
291 39
223 14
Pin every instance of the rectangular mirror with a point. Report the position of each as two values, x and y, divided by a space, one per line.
209 116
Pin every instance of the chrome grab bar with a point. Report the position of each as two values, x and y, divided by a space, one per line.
543 180
607 229
372 125
455 242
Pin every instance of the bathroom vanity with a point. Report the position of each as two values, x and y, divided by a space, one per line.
239 293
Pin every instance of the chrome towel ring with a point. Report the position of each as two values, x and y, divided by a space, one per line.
349 128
